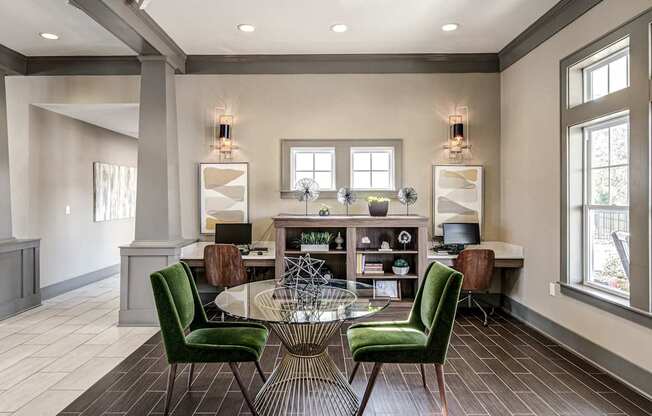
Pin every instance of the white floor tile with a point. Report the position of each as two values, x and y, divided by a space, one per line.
23 369
49 403
88 374
13 340
28 389
63 346
75 359
16 354
53 335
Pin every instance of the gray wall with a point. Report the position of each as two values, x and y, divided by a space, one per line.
530 183
268 108
62 156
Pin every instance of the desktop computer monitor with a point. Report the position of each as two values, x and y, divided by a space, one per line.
461 234
238 234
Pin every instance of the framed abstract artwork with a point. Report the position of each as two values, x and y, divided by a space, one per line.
224 194
457 192
114 192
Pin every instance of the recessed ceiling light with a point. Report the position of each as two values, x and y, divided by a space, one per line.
246 28
339 28
449 27
50 36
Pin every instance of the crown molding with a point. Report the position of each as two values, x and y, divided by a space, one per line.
12 62
558 17
342 64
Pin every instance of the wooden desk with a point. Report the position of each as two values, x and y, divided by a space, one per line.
193 254
508 256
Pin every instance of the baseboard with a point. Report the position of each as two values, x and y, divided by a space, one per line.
625 371
79 281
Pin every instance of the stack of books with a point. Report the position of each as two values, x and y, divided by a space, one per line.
368 267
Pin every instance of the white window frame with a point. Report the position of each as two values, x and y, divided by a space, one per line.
589 70
313 150
588 205
374 149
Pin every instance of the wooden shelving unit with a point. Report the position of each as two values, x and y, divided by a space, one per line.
343 263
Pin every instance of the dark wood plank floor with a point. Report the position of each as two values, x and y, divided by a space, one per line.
505 369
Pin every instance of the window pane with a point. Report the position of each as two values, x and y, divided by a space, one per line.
303 161
600 186
361 161
324 179
619 144
380 180
361 180
618 74
599 148
599 82
380 161
323 161
607 260
300 175
618 178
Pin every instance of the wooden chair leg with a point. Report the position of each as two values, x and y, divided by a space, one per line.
168 394
243 388
355 370
370 387
260 372
423 375
439 369
192 371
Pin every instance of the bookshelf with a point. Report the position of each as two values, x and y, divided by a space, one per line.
345 263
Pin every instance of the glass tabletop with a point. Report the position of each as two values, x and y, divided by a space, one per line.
270 301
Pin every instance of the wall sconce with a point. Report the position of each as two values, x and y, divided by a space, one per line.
222 141
457 148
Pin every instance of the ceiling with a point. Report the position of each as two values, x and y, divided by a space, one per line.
21 22
282 26
121 118
375 26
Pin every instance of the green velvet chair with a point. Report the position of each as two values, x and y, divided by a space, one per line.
180 311
422 339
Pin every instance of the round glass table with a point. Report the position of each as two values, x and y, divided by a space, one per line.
306 381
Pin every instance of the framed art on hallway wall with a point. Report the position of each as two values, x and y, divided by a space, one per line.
457 192
114 192
223 193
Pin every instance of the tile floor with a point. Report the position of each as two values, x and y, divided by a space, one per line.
51 354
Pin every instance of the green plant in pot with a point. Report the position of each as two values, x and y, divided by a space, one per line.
315 241
378 206
400 267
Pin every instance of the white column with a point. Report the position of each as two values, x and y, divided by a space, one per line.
158 238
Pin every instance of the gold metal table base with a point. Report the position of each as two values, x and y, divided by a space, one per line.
307 381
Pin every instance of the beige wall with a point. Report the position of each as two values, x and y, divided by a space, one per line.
530 182
413 107
71 245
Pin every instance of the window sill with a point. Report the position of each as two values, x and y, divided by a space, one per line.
361 195
607 302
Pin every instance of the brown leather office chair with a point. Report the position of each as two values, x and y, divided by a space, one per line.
477 266
224 266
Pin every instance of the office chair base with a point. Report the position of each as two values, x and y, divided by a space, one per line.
470 300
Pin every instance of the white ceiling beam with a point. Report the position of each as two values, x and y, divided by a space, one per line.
134 27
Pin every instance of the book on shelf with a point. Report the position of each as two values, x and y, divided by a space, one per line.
373 268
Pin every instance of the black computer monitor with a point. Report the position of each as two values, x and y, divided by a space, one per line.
461 233
238 234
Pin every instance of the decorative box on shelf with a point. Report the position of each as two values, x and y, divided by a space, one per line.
314 247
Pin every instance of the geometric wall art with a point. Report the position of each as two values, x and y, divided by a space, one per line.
114 192
223 194
457 195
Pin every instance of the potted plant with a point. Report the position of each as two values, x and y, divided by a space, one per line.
315 241
378 206
401 267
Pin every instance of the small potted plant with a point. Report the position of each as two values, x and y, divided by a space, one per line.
315 241
400 267
378 206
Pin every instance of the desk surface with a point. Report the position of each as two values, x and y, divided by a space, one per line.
195 251
502 251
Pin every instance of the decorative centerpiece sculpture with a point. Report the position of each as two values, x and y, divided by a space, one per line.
407 196
307 190
346 197
304 277
404 238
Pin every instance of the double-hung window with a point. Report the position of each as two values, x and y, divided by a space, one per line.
372 168
606 205
316 163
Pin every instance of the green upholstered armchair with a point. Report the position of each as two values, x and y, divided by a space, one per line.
179 310
422 339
